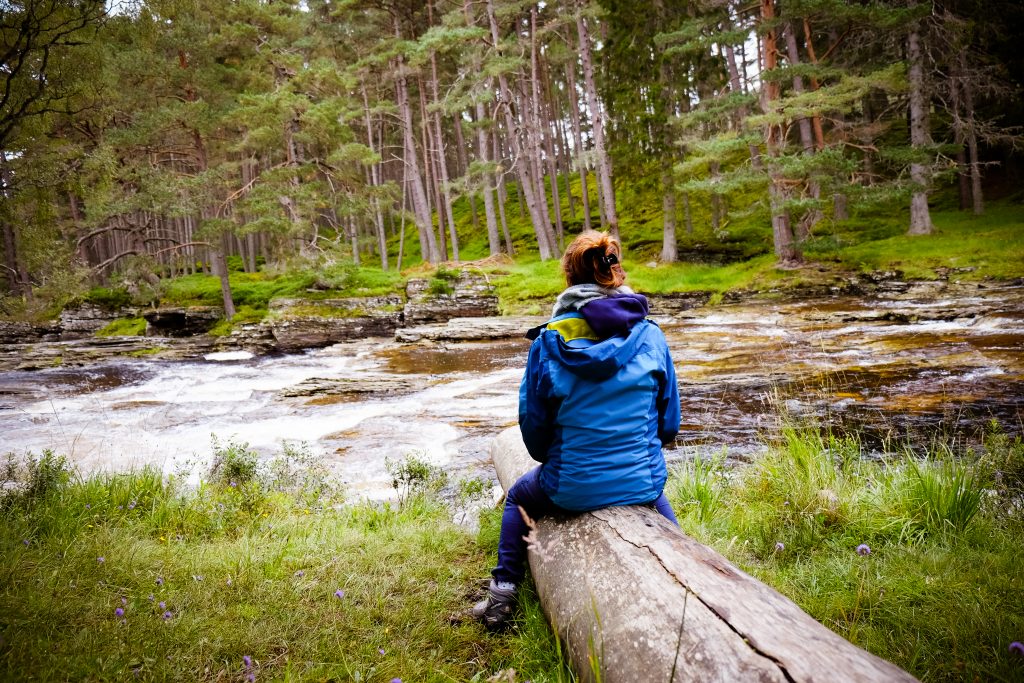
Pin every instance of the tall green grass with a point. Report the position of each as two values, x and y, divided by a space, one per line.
134 577
918 560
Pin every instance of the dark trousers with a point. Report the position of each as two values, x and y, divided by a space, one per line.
527 494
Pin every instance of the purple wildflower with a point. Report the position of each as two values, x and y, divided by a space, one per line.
300 573
233 484
380 650
162 605
246 661
250 677
167 615
396 680
863 549
780 546
88 507
119 612
1017 648
131 505
26 541
339 594
159 581
124 600
101 559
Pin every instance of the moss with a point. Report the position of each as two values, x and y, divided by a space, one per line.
144 353
123 327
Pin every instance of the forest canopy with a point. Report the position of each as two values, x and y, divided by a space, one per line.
148 139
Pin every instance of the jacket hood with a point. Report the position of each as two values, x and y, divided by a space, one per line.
595 360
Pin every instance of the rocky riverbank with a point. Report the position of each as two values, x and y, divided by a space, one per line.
463 306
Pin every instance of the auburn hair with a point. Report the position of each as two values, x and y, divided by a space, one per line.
585 260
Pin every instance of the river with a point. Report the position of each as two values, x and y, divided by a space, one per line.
901 369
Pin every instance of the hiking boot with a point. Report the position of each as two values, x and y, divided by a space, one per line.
495 612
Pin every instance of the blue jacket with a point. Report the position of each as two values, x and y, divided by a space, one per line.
596 410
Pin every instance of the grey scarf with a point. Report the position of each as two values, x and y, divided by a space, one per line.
575 297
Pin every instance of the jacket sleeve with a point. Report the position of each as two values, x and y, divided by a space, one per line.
536 418
668 401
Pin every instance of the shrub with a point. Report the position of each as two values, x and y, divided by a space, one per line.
233 463
414 476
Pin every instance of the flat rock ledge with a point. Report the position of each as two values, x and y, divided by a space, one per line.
301 323
470 329
316 387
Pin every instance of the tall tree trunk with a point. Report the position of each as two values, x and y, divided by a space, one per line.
977 199
736 85
483 148
460 145
813 215
545 115
533 127
604 164
442 161
421 212
431 172
920 218
786 251
502 192
577 134
507 103
375 182
669 251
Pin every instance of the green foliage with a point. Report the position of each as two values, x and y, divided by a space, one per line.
33 479
123 327
414 477
111 299
234 464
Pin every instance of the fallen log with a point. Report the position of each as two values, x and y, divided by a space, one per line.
634 600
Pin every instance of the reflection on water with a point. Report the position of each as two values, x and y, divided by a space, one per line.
442 359
891 371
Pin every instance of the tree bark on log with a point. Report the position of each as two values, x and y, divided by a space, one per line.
634 600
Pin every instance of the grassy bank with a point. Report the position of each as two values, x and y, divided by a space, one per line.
918 561
133 577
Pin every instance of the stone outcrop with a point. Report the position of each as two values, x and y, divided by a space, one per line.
87 319
438 300
181 321
302 324
671 304
12 332
471 329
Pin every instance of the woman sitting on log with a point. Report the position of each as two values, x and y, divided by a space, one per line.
597 402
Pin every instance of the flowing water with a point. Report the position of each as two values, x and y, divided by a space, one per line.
896 370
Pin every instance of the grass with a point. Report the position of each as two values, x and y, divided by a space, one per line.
259 561
937 590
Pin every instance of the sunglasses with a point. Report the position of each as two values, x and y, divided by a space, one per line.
610 259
